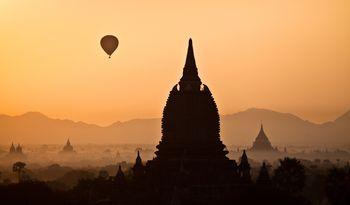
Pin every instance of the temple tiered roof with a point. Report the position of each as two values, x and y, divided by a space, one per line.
262 143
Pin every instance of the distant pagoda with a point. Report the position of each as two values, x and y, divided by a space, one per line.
19 149
262 143
15 150
190 152
68 148
12 149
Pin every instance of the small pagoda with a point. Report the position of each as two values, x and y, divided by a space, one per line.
262 142
68 148
16 150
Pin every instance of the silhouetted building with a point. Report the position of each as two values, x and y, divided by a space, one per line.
15 151
138 169
68 148
244 168
12 149
19 149
120 180
190 165
262 143
190 152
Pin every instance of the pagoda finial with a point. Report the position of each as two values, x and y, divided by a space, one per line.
244 167
190 60
138 159
190 72
120 173
244 157
120 177
138 168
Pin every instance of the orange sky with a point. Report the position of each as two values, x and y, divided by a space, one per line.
289 56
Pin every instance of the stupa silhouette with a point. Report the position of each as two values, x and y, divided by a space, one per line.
16 150
190 152
262 142
68 148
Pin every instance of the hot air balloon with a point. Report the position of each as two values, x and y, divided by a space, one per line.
109 43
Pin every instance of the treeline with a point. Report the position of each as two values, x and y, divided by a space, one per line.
290 183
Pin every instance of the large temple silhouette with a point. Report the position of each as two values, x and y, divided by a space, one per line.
190 165
190 146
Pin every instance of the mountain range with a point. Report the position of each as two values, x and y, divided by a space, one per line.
236 129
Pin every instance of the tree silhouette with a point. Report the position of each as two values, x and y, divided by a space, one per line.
18 167
290 176
338 186
264 177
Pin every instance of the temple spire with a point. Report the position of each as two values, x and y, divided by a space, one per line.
138 168
120 172
138 159
120 179
190 60
244 168
190 72
262 132
12 149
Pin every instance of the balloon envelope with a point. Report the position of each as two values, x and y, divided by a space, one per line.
109 43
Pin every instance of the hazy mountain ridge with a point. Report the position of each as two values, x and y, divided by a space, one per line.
344 118
239 128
